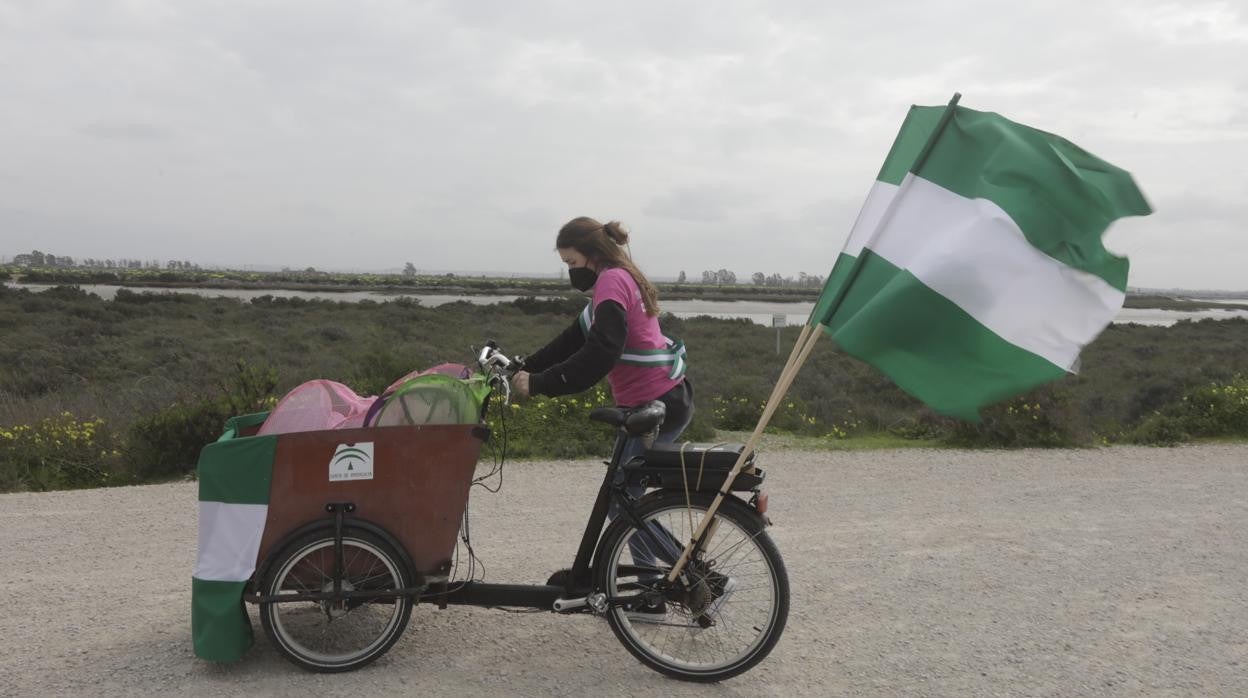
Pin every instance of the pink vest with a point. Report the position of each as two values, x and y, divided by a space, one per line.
651 364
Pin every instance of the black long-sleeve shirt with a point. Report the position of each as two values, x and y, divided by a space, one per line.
575 360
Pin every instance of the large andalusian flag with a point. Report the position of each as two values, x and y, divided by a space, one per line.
234 478
976 271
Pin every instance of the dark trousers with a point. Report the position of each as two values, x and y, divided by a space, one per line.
679 404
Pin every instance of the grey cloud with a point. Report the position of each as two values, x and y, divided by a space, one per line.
1193 208
735 134
129 131
702 204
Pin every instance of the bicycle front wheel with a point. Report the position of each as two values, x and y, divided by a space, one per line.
333 636
728 611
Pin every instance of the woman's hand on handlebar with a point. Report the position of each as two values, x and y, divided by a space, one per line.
520 383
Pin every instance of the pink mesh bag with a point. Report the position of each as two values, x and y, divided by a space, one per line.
315 406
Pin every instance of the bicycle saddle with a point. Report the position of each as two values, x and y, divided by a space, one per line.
634 420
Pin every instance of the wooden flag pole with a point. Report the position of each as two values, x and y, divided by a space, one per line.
788 364
782 387
797 346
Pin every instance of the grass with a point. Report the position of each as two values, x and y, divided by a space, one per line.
155 367
803 442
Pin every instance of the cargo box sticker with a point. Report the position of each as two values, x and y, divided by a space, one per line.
352 462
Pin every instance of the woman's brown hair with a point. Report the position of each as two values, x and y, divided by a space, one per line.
604 246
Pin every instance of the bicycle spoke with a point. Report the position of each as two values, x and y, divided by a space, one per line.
336 632
732 626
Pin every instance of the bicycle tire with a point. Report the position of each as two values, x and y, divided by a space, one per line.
306 564
741 551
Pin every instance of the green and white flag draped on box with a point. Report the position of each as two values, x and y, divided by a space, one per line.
234 478
975 270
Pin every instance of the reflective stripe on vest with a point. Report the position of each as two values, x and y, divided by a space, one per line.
672 355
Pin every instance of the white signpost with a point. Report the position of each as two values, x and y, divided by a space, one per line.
779 321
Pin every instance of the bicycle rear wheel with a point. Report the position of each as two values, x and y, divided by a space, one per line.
728 613
333 636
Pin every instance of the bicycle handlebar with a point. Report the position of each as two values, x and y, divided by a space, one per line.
491 357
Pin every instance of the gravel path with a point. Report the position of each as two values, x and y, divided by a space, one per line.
1118 571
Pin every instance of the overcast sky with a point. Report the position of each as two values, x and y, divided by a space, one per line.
460 135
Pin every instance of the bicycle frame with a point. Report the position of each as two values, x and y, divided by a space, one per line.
377 554
573 594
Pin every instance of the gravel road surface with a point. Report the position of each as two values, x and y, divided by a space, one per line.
1101 572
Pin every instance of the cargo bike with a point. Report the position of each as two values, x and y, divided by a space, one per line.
339 562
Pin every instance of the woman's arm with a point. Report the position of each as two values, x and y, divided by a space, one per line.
600 349
558 349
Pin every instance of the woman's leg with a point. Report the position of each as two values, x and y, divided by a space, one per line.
679 404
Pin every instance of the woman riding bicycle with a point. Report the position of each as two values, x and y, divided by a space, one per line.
718 615
616 336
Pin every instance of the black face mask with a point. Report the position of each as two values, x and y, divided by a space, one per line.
582 278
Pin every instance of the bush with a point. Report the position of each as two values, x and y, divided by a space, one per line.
168 443
1160 430
925 426
57 453
145 297
1217 410
736 413
1044 418
792 416
72 294
1213 410
530 305
552 427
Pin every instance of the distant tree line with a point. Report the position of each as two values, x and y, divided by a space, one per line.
724 277
803 280
45 259
721 277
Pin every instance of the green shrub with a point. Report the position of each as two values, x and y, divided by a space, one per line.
145 297
1217 410
736 413
563 306
168 443
1044 418
57 453
1160 430
552 427
380 367
700 428
72 294
924 426
1213 410
792 416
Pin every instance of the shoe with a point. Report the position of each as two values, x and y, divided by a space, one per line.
723 588
648 612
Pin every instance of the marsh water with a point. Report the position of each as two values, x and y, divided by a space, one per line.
760 312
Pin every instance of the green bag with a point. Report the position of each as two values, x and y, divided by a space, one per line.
434 399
